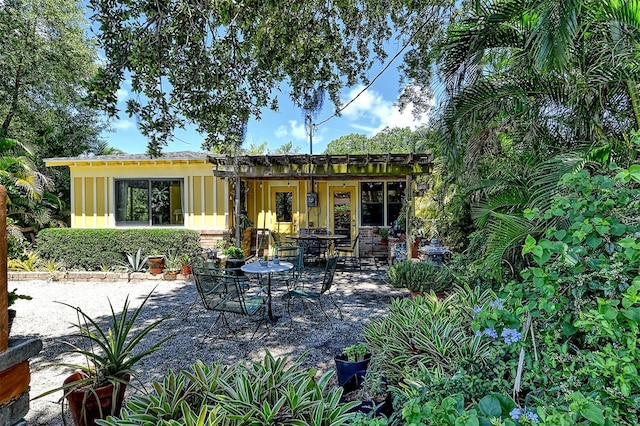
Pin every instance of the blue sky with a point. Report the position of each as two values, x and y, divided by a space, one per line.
371 112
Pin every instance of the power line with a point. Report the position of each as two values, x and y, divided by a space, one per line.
404 46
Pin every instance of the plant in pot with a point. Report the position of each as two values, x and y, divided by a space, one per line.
384 235
235 258
351 366
96 389
172 266
185 262
12 296
155 262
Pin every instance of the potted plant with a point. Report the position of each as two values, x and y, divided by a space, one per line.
12 296
185 262
235 258
96 389
155 262
384 235
172 266
351 365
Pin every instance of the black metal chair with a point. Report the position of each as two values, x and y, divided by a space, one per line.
348 252
295 255
305 294
224 292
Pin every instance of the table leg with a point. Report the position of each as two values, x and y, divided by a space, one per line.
269 312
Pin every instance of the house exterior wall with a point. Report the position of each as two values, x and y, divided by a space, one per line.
203 203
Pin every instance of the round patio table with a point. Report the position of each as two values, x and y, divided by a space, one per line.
268 269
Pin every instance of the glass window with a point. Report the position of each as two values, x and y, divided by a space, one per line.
149 202
372 203
395 198
284 206
375 208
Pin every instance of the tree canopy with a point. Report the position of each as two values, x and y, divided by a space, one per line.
217 64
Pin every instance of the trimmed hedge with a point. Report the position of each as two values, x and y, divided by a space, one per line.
99 249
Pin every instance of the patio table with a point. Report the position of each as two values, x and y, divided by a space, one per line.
268 269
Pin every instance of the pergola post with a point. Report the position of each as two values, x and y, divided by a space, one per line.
4 302
409 215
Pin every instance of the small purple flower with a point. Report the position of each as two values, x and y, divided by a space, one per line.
476 310
497 304
478 333
515 413
533 417
511 335
491 333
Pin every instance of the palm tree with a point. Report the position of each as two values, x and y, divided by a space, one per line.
532 81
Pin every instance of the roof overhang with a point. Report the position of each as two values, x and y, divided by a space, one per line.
321 166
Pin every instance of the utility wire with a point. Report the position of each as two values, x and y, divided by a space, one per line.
386 67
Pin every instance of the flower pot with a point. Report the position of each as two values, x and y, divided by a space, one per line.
235 264
187 270
156 264
88 405
170 275
351 374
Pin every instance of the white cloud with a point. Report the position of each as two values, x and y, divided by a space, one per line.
123 125
281 132
371 113
122 94
298 131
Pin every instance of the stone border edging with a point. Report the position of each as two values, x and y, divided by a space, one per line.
93 276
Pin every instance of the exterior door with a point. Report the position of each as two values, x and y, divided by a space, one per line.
343 211
283 209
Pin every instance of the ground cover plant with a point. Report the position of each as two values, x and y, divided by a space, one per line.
558 347
265 393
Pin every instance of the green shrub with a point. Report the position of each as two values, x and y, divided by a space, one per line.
427 331
265 393
99 249
421 277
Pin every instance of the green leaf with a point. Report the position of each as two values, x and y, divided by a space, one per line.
634 172
593 413
560 234
632 313
490 406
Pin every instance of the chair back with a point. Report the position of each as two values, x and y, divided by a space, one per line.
277 238
211 286
329 273
226 292
292 254
355 241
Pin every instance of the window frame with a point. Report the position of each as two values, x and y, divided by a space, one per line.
385 203
149 207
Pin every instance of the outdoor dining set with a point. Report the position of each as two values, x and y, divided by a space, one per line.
292 269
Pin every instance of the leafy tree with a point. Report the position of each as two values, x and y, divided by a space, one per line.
397 140
287 148
46 61
216 64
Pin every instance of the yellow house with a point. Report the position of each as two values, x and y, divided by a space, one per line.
347 194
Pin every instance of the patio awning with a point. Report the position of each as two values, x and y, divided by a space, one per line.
321 166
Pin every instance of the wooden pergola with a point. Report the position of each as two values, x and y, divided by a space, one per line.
320 167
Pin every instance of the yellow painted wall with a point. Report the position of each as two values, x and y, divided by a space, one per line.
93 195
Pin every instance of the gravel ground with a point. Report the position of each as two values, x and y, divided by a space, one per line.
361 297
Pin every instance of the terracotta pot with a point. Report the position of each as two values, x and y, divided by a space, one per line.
88 405
187 270
156 264
170 275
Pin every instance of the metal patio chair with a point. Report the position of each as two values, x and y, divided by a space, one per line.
348 253
307 294
224 293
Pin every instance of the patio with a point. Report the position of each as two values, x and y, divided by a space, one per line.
359 295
